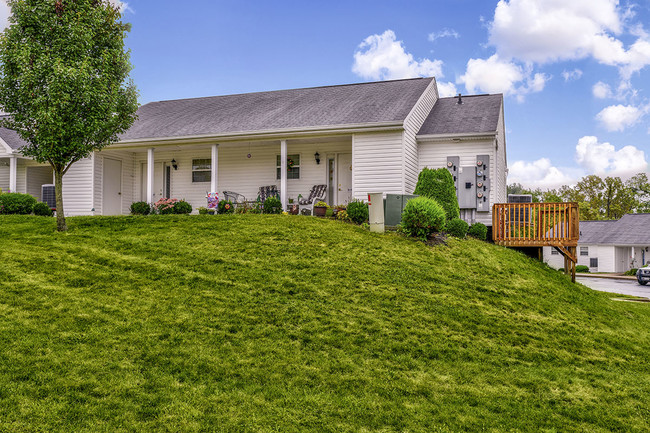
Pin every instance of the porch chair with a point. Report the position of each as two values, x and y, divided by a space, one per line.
266 192
317 193
234 197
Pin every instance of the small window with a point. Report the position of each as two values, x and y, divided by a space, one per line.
201 170
293 167
584 251
593 263
554 252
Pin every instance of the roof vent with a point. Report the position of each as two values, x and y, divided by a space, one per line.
460 99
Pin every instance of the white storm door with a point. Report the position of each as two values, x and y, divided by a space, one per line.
112 187
344 178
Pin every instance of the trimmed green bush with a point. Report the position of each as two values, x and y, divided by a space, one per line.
478 230
182 207
357 211
457 228
421 217
631 272
273 205
16 203
226 206
438 184
140 208
42 209
582 268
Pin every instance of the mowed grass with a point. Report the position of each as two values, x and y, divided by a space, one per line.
255 323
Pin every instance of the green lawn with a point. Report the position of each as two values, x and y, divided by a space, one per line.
281 324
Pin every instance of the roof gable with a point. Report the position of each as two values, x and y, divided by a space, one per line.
631 229
476 114
352 104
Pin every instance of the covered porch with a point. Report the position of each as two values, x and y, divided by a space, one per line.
189 170
20 174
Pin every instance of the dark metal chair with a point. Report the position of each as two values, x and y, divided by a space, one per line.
317 193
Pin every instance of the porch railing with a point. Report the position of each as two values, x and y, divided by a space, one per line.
535 224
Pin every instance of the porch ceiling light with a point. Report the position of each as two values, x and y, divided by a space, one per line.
317 157
174 164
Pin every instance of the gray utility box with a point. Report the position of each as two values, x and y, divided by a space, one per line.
393 206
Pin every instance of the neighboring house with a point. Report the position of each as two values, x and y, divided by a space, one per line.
611 245
356 139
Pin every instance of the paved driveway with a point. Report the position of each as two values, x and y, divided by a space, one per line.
625 287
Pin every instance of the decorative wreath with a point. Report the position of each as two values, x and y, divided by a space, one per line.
290 163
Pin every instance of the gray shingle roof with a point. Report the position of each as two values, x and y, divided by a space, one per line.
363 103
11 137
477 114
631 229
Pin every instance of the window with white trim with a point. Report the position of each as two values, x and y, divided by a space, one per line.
201 170
293 166
593 263
584 251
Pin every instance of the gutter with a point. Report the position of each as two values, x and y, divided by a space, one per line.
458 136
298 132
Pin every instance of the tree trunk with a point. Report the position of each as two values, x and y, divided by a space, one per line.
58 187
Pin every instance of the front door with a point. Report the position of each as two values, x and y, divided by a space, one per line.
159 184
344 178
112 187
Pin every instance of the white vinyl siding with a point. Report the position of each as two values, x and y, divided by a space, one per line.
412 125
606 258
4 177
78 188
434 155
377 164
501 164
36 178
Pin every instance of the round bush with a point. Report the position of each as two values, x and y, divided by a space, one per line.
438 184
140 208
457 228
42 209
422 216
182 207
478 230
273 205
16 203
226 206
582 268
357 211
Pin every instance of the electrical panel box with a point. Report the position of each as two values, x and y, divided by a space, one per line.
483 183
453 164
394 206
467 187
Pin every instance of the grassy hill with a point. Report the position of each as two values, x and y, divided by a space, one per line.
282 324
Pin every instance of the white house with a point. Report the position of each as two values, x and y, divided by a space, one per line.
610 246
356 139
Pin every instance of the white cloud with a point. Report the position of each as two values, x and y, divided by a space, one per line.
496 76
538 174
5 11
601 90
604 159
546 31
572 75
446 89
444 33
383 57
618 117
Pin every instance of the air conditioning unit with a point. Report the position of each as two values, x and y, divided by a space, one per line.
520 215
520 198
48 195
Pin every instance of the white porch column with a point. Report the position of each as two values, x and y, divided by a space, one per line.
283 173
13 168
150 171
214 177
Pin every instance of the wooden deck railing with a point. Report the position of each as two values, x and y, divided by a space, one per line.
535 224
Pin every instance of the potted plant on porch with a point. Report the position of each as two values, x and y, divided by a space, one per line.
320 208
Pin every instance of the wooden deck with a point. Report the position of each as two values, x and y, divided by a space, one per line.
539 225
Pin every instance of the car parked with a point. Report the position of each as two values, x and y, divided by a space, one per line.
643 275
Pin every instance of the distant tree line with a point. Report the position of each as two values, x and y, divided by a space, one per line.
599 199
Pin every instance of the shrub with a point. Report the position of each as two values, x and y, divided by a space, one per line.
478 230
164 206
630 272
422 216
42 209
226 206
16 203
203 211
457 228
342 215
273 205
357 211
140 208
438 184
582 268
182 208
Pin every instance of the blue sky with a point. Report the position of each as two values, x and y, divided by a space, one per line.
576 74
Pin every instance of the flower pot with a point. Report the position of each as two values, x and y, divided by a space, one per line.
320 211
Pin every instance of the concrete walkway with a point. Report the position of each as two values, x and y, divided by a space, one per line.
624 286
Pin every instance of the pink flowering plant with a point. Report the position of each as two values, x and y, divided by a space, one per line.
164 206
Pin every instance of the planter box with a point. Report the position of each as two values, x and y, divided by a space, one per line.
320 211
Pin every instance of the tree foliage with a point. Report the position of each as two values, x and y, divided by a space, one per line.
599 199
438 184
64 78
